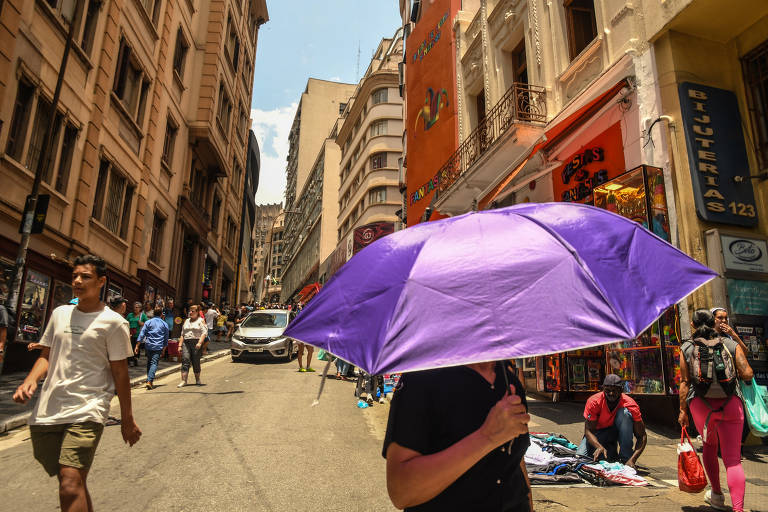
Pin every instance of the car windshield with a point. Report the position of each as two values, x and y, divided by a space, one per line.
265 320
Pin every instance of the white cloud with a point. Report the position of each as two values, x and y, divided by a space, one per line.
335 79
271 128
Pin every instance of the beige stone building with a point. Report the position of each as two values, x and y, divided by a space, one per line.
150 148
312 182
266 217
370 138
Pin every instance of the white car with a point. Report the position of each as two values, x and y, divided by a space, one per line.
261 334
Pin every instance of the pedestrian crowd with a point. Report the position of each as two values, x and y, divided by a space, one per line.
455 439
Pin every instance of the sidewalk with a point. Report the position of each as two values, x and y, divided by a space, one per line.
659 458
13 415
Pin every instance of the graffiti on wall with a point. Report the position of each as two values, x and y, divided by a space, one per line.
430 112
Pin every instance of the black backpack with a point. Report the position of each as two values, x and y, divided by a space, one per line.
707 364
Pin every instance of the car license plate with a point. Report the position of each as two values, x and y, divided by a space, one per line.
257 350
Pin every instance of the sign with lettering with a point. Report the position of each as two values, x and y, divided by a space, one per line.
717 155
598 161
748 297
745 254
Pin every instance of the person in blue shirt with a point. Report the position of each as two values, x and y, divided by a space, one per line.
154 333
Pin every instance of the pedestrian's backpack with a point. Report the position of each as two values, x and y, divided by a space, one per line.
709 363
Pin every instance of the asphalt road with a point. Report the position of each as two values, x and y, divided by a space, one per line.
247 440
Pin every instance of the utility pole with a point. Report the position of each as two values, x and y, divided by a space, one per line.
26 229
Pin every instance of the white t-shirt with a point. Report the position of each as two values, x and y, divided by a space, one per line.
193 330
79 386
210 318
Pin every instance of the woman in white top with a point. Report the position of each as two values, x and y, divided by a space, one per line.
193 333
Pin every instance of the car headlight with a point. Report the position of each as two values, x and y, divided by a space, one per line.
237 337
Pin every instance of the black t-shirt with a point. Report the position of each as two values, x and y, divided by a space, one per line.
434 409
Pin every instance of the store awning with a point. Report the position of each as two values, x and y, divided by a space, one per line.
308 292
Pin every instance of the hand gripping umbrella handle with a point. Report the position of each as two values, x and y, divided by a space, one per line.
506 392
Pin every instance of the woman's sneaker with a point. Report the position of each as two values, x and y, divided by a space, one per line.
714 500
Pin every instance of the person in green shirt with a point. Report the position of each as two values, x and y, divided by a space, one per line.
136 319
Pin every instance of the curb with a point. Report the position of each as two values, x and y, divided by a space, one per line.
20 420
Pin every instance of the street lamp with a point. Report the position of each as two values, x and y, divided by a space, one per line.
268 254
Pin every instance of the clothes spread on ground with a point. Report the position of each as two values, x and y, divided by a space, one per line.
552 459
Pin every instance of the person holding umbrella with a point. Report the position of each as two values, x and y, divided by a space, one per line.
456 439
456 435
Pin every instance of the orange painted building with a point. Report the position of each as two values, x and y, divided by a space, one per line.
432 123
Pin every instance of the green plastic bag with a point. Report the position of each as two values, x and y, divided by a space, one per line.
322 355
756 407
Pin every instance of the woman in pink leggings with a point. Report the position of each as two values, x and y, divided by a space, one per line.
708 366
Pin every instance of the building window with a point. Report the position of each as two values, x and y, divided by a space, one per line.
225 108
232 44
237 174
89 25
131 83
171 129
153 9
242 125
379 127
112 201
582 27
231 229
65 158
35 150
755 66
180 53
158 228
377 195
215 211
61 148
379 96
21 112
342 107
378 161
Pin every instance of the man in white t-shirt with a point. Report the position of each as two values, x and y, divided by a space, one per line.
211 314
84 361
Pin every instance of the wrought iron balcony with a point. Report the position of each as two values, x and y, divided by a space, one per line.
522 103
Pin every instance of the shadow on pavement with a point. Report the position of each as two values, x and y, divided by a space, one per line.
235 392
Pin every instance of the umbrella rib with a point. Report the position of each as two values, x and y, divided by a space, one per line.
582 264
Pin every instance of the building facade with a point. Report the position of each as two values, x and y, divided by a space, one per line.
148 155
273 265
312 183
600 102
370 137
266 215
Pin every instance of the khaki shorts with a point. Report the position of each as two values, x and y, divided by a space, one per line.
70 444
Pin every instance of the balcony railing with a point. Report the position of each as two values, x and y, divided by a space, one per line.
521 103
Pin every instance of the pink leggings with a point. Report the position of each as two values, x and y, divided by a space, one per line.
725 428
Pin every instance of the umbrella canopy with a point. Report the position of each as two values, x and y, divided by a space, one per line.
522 281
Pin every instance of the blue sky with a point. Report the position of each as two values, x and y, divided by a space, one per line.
302 39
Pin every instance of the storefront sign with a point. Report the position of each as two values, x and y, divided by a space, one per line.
745 254
717 155
598 161
748 297
366 235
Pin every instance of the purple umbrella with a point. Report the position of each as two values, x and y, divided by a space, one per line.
522 281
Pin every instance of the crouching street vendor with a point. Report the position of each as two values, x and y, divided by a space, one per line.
613 418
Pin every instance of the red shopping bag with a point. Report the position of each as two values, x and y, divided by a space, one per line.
690 472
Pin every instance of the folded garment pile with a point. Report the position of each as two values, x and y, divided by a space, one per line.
552 459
